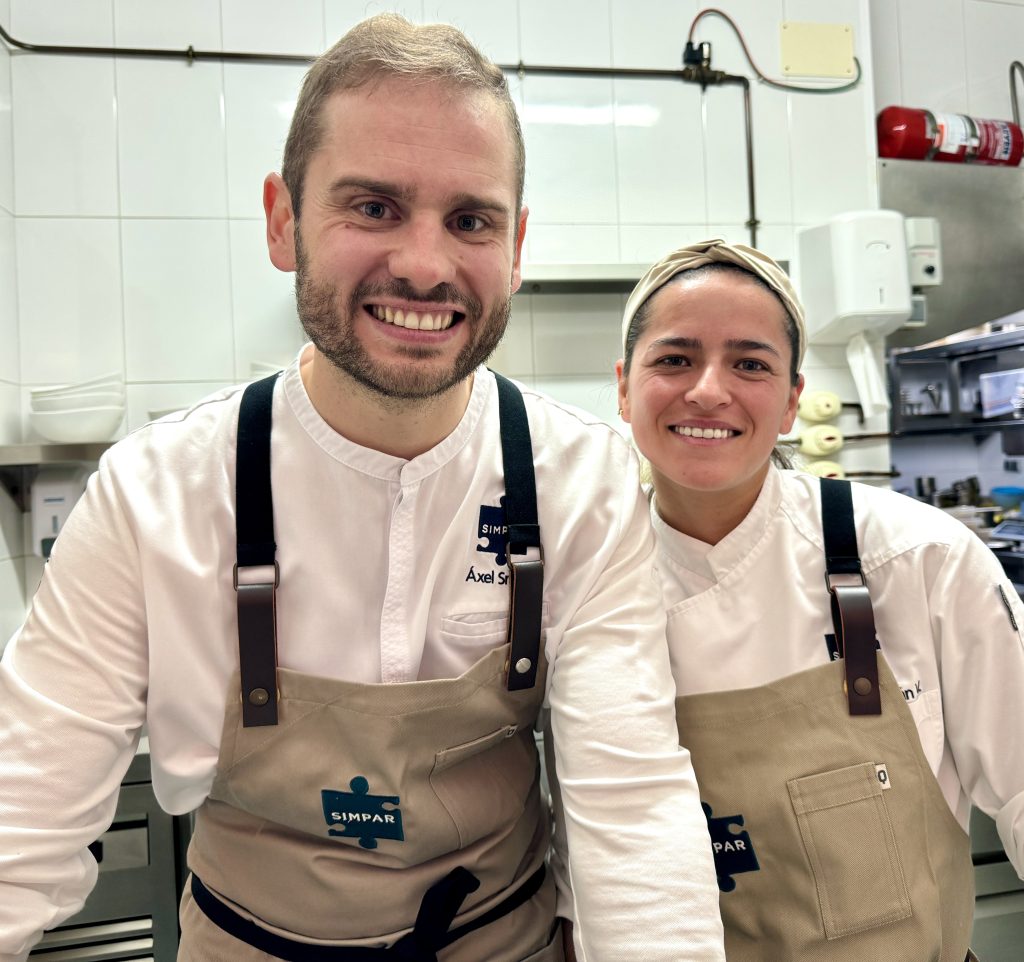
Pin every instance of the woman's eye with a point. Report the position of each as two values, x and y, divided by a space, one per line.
468 223
751 365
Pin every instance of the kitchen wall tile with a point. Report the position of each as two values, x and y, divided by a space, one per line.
596 395
88 23
12 598
265 26
847 180
171 139
650 34
776 241
493 27
646 243
266 324
514 356
570 150
10 414
10 368
10 527
177 300
340 16
993 38
259 100
65 139
571 33
6 123
69 299
577 335
759 22
886 54
172 26
146 402
661 174
734 233
572 244
932 56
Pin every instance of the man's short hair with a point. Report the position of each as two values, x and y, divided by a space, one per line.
388 45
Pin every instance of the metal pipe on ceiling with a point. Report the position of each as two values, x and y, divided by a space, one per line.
702 75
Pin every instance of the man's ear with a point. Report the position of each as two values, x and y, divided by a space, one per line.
517 263
277 203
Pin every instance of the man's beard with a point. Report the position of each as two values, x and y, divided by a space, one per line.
330 326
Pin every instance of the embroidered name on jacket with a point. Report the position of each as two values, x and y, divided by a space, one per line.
733 850
359 815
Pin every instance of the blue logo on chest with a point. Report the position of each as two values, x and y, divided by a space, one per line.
361 815
493 528
734 852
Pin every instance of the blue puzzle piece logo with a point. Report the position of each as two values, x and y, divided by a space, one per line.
734 852
361 815
493 527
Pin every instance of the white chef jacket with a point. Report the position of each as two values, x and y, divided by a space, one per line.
754 608
384 578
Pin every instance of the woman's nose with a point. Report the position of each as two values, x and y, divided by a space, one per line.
422 257
710 389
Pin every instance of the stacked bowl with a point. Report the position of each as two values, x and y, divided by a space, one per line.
75 413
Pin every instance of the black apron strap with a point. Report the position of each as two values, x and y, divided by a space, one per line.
527 576
852 617
256 572
431 933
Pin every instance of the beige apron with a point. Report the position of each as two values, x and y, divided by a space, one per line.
361 817
832 839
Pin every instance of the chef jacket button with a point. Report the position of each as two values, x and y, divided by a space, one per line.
258 697
862 686
523 665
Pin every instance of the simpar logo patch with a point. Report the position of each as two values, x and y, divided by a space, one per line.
734 852
493 528
359 815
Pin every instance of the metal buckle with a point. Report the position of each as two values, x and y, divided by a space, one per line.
276 581
844 580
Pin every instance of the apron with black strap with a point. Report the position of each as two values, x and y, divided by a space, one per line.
832 840
352 822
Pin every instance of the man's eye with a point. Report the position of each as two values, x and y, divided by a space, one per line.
469 222
374 209
751 365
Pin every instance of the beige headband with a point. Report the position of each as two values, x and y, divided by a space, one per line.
711 252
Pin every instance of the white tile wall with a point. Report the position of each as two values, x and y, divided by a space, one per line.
570 33
514 356
158 24
10 415
993 37
177 300
493 27
577 335
341 15
885 49
637 46
257 26
6 132
10 369
171 142
75 22
12 597
932 55
65 138
69 309
147 402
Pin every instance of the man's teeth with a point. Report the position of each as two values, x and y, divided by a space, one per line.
705 432
412 319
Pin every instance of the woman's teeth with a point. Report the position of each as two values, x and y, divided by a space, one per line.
413 319
705 432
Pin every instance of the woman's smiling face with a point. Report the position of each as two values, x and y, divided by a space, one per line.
709 388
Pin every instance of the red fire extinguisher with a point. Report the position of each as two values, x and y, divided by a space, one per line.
913 134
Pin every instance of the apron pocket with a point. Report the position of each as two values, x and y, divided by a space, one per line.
849 839
484 783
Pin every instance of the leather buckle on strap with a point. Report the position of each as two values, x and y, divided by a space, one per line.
524 622
256 590
844 579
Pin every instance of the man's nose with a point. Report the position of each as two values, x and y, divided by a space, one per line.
422 255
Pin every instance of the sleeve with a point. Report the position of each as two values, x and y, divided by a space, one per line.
72 703
639 867
977 620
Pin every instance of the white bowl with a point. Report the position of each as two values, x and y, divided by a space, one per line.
103 383
114 387
70 402
84 424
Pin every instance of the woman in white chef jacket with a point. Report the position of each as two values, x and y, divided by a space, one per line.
837 781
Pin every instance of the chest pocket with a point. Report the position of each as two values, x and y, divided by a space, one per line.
475 629
485 783
850 842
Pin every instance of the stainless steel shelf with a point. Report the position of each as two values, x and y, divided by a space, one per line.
26 454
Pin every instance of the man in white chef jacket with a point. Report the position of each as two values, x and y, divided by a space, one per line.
400 210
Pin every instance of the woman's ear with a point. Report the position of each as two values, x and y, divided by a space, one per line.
621 387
